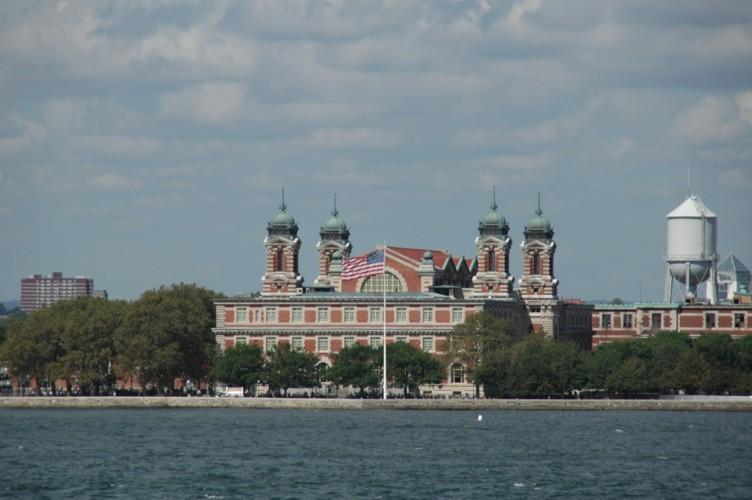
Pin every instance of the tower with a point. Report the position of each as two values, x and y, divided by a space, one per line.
334 245
282 249
538 286
492 250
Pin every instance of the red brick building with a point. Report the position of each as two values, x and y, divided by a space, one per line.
39 291
427 292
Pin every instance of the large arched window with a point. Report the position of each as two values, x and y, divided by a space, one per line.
279 260
491 259
458 374
376 282
536 263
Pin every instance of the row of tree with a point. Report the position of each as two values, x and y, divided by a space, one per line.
359 366
88 342
669 362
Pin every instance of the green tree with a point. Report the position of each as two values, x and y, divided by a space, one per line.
409 367
88 326
240 365
661 353
530 370
357 366
604 360
628 378
166 334
3 330
286 368
469 342
718 352
493 373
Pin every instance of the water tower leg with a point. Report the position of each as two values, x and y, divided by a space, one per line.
668 286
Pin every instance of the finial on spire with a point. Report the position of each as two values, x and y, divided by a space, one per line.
335 212
283 206
494 206
539 211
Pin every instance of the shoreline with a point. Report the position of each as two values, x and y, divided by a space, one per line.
122 402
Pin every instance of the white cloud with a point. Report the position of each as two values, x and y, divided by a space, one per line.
744 101
64 115
30 133
114 182
211 102
712 119
368 138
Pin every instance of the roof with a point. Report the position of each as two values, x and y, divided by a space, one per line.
341 297
732 264
691 207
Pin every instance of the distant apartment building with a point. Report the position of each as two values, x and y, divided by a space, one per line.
39 291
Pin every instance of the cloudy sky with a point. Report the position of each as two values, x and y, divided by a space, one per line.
145 142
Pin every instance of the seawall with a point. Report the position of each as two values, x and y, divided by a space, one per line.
736 404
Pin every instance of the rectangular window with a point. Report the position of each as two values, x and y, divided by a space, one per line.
374 315
322 344
427 344
627 320
256 315
348 341
297 314
296 344
270 344
271 314
605 321
738 320
241 341
322 314
241 314
709 320
458 315
427 314
374 341
655 321
402 338
349 315
401 315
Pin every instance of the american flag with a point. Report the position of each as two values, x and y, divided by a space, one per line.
365 265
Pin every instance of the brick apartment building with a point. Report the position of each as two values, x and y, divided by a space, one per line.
39 291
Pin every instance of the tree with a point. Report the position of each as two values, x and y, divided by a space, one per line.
616 301
240 365
469 342
166 335
409 367
3 330
357 365
628 378
530 371
286 368
661 353
718 352
493 373
604 360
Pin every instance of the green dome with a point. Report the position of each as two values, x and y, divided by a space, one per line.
335 223
283 218
283 223
539 226
493 223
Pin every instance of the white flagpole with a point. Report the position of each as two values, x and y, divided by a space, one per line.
383 313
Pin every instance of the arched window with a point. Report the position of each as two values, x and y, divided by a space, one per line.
536 263
458 374
491 260
279 260
376 282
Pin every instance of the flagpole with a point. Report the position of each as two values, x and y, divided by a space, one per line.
383 314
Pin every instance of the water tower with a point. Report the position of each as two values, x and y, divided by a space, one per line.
691 257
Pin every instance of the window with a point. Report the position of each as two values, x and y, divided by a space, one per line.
322 344
491 259
626 320
427 344
427 314
349 315
535 309
458 374
374 315
738 320
605 321
374 341
655 321
536 267
256 315
458 315
322 314
402 338
270 344
348 341
241 315
279 260
297 314
376 282
401 316
297 344
271 314
241 341
709 320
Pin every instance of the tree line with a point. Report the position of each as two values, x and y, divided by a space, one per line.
88 343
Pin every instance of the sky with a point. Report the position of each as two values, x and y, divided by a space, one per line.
146 142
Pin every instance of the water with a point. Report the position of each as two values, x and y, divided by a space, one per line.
235 453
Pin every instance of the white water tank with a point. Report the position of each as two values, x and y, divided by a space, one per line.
691 242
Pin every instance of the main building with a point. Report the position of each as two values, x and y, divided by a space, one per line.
427 293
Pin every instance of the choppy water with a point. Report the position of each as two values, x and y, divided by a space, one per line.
192 453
